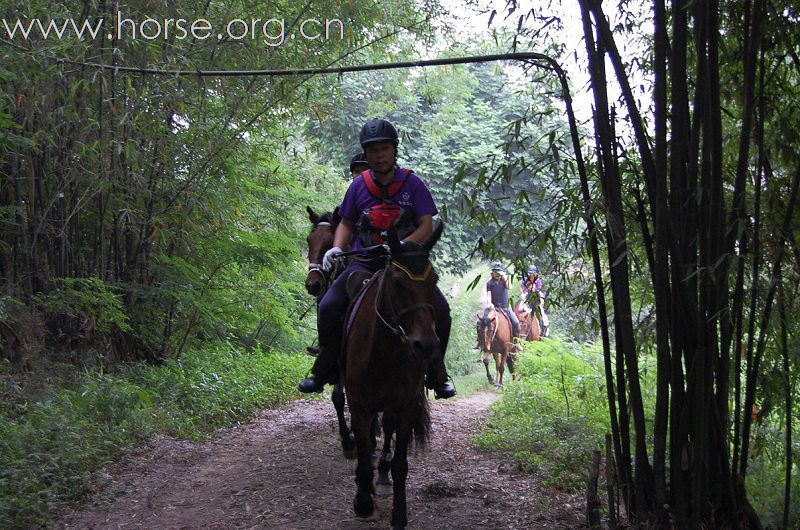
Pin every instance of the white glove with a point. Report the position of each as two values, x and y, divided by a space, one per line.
327 260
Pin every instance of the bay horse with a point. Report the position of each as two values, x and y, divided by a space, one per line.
494 336
389 345
528 323
319 241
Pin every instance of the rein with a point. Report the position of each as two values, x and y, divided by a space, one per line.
485 328
393 321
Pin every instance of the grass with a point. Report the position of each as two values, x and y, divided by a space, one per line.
553 416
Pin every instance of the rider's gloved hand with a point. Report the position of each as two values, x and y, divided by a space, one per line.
327 260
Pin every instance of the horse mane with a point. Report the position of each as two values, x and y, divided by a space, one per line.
414 257
328 217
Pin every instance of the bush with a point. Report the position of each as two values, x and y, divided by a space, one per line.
553 416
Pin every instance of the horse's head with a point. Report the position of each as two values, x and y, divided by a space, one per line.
320 240
408 295
487 326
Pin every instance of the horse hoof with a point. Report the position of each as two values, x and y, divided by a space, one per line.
384 489
374 516
350 454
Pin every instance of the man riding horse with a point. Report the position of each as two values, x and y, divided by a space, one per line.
497 294
386 194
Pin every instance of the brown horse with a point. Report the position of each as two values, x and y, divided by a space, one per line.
320 240
494 336
389 344
528 323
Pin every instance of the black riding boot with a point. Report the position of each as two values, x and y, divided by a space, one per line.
323 371
438 379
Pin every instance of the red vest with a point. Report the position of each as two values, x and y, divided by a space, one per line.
374 222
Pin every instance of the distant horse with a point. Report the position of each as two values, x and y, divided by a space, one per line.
320 240
494 336
389 344
528 323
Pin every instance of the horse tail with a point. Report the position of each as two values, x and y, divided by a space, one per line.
422 427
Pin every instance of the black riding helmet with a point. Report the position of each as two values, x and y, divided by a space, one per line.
358 160
378 130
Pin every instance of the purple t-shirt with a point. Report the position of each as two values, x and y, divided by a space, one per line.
527 291
413 196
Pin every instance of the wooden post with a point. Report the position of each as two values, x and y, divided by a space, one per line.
592 500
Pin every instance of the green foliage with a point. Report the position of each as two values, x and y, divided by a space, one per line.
52 447
185 194
88 298
554 415
461 357
766 474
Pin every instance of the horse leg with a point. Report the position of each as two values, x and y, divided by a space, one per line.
376 431
348 442
486 365
384 483
501 367
498 368
510 363
400 471
364 502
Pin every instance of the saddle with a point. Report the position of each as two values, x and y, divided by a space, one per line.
357 285
356 282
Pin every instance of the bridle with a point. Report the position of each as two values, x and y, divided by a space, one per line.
317 267
486 325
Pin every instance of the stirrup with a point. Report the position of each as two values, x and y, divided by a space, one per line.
445 391
311 385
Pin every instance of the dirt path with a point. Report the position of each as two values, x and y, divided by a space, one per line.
285 470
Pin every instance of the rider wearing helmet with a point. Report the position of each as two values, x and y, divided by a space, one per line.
358 164
533 295
497 293
379 139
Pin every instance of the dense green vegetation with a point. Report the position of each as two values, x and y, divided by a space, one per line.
554 415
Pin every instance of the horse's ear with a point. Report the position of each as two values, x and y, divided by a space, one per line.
393 240
434 237
335 218
312 215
